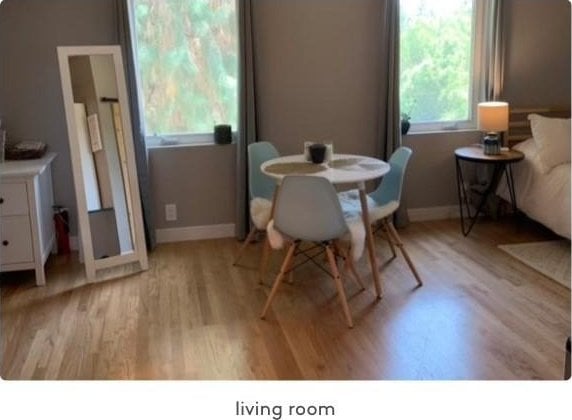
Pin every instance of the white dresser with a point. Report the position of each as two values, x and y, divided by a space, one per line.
27 233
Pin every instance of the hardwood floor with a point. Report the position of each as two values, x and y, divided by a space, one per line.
480 315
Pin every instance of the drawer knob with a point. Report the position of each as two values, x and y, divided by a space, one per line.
5 242
1 200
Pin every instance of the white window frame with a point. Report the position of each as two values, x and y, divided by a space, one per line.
479 49
166 140
183 139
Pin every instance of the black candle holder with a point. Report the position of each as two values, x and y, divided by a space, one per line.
317 152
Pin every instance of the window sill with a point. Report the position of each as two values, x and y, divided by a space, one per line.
184 145
183 140
431 132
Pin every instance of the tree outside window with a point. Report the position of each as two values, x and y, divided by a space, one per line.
436 60
187 55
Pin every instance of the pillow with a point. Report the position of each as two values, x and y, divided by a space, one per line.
552 138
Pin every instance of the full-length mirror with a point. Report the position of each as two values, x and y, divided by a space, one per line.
101 147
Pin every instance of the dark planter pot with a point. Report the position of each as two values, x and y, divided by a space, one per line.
223 134
405 125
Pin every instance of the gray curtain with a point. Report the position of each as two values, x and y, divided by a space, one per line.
126 40
492 65
389 128
247 113
493 70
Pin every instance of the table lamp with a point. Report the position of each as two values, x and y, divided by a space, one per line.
492 119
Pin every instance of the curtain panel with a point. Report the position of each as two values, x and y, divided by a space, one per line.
389 131
126 40
389 122
492 44
494 51
247 124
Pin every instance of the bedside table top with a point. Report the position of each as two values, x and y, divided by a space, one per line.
476 154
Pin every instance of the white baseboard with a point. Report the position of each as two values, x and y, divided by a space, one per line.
433 213
193 233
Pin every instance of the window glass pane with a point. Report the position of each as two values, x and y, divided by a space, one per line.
187 56
436 59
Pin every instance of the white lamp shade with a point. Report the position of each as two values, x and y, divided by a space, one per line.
493 116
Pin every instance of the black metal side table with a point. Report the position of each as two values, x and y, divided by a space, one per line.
501 164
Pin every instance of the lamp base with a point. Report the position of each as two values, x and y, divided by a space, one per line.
491 144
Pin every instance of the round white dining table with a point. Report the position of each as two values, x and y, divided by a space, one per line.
341 169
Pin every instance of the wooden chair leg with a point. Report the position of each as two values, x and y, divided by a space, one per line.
339 286
399 243
264 261
289 269
377 281
385 227
280 277
248 240
352 268
266 247
338 252
349 264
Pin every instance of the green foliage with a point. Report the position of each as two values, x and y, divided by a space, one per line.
436 62
187 56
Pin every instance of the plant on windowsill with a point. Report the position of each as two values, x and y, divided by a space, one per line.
405 124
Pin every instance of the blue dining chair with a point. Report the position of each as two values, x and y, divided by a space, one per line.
307 209
384 202
261 190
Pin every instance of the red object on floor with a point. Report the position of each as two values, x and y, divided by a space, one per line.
61 221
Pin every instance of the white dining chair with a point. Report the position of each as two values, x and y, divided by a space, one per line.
261 190
307 209
384 202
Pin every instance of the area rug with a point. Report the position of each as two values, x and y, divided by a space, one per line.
551 258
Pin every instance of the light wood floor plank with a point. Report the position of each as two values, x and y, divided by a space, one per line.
481 314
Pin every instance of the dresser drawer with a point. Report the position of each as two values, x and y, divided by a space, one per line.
13 199
15 240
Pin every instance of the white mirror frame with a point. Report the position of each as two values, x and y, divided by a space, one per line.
139 253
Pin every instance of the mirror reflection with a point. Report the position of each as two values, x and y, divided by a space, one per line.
102 154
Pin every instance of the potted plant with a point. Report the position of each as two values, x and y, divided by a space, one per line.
405 124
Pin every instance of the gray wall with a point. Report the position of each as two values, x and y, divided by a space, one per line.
316 72
319 82
537 73
430 178
199 179
538 53
30 89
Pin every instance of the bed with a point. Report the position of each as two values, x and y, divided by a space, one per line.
542 179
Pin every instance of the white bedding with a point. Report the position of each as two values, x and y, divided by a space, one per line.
544 197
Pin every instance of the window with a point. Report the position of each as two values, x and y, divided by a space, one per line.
187 54
438 62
